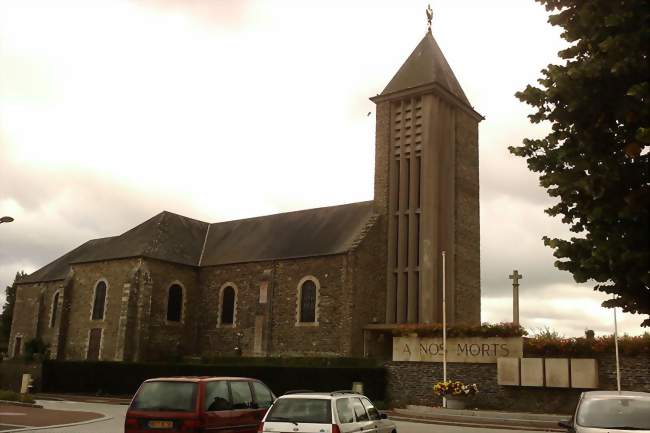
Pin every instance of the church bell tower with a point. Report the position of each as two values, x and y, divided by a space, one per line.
427 191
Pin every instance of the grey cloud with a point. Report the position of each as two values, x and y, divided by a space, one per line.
511 233
568 310
61 210
503 174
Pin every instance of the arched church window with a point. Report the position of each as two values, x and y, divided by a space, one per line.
175 303
55 309
99 304
308 302
228 306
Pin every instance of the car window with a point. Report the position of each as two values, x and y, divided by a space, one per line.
614 413
241 395
166 396
344 410
303 410
359 410
263 395
217 396
373 413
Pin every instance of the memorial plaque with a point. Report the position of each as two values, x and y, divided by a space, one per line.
467 350
584 373
557 372
508 371
532 372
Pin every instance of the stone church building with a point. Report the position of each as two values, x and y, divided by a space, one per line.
319 282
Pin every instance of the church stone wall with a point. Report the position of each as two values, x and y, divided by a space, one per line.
80 301
49 334
468 267
382 157
26 314
172 340
216 340
328 337
279 333
367 264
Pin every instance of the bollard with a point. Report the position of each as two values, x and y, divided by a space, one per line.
26 384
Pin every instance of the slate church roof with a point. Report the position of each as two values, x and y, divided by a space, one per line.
178 239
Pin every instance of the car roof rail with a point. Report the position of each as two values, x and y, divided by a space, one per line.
298 391
345 391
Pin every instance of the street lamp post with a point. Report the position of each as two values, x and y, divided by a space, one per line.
6 219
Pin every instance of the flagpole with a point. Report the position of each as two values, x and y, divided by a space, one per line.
618 365
444 328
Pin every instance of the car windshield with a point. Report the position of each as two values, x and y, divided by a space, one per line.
301 410
618 412
166 396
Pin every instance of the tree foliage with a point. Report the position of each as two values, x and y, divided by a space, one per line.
595 159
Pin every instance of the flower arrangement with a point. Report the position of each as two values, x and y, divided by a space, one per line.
455 388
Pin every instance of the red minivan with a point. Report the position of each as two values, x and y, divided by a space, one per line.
198 404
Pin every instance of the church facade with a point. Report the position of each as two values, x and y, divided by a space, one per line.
331 281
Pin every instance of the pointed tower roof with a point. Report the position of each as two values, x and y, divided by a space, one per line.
426 65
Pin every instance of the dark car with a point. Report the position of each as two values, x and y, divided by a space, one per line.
198 404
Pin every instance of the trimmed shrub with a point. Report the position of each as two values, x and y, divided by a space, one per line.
123 378
14 396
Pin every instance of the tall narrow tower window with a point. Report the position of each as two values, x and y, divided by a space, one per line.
99 304
308 302
175 303
228 306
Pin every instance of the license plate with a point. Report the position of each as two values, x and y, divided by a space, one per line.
160 424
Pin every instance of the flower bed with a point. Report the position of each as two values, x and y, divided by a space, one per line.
485 330
554 346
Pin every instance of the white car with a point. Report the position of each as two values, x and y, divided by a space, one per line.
611 411
315 412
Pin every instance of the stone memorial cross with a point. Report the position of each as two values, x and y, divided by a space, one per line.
515 277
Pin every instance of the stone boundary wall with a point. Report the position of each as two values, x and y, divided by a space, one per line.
412 383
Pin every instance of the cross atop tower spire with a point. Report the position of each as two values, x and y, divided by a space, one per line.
429 17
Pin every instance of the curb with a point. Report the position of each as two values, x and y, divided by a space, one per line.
20 403
480 413
474 424
84 399
105 418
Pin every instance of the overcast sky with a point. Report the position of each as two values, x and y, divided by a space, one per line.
111 111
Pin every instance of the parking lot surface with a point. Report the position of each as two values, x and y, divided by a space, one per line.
89 417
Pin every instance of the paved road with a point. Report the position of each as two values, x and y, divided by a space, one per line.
117 412
113 425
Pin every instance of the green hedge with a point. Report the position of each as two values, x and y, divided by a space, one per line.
123 378
290 362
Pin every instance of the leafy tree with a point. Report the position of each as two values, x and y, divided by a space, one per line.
8 307
595 159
